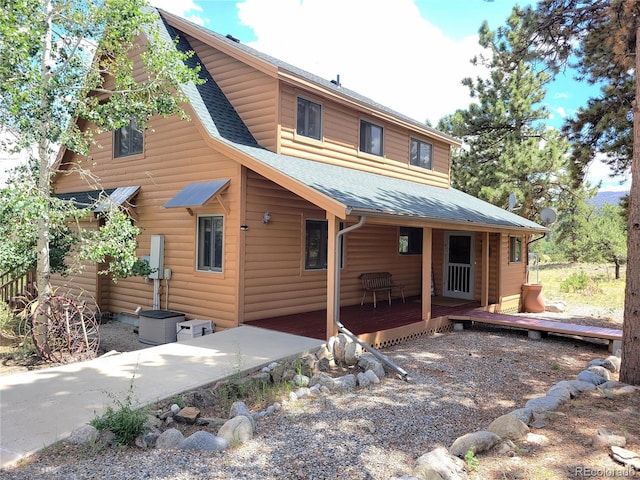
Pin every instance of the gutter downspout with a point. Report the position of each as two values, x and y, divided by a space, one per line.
336 311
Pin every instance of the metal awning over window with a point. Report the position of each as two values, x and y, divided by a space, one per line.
198 193
118 197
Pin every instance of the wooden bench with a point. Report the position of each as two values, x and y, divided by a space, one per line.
375 282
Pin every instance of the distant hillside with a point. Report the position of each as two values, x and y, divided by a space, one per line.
607 197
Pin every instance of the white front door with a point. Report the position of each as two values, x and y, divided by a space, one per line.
458 265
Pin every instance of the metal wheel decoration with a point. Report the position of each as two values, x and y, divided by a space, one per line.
63 331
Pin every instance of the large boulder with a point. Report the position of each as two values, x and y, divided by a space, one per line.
509 427
476 442
439 464
237 430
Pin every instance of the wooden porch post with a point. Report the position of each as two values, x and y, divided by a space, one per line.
484 294
332 231
427 252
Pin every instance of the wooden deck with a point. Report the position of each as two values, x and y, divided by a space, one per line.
367 322
539 325
360 319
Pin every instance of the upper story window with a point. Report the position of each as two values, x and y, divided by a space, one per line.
421 154
371 138
210 240
515 249
127 140
309 119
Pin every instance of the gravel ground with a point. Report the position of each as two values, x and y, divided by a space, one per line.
460 382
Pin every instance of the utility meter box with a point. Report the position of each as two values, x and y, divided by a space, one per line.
193 329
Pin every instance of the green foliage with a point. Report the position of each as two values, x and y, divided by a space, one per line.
471 460
67 74
579 282
125 421
507 147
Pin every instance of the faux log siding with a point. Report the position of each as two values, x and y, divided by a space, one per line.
275 281
513 275
340 143
253 94
174 156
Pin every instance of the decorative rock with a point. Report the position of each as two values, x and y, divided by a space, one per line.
301 380
302 392
348 382
569 385
84 435
476 442
603 372
340 346
363 380
590 377
606 438
171 438
439 464
352 352
555 306
239 408
369 362
321 379
562 392
583 386
373 378
508 427
175 408
543 404
626 457
206 441
523 414
187 415
537 439
236 430
308 364
612 363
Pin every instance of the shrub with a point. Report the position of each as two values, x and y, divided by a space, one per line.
576 282
125 421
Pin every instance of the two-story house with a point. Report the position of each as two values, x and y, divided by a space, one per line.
283 189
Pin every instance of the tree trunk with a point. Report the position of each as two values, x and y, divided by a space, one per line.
617 264
630 366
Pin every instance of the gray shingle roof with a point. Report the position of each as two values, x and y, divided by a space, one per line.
359 191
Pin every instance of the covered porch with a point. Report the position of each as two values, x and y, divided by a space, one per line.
382 326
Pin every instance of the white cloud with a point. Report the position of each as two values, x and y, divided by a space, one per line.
561 112
183 8
384 50
600 172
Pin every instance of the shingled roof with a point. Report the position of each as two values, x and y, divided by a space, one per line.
357 191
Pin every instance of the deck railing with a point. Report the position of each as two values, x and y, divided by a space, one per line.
17 287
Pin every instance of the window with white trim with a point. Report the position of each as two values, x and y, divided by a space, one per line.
309 119
210 242
128 140
371 138
421 154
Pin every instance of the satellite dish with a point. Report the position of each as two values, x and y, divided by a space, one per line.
512 201
548 216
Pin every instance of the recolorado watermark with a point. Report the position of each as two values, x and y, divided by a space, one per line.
622 472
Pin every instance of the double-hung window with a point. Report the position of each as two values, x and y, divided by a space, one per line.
371 140
316 245
515 249
127 140
309 119
421 154
210 240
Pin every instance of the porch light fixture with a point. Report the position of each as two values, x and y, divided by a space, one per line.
266 218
